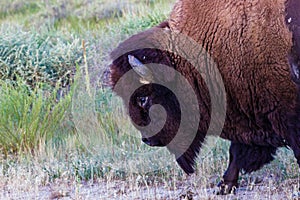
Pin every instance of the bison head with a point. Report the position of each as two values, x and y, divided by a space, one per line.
162 125
165 118
147 94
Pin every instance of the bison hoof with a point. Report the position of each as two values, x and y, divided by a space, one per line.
226 188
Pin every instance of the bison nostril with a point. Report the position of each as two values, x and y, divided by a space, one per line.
152 142
145 140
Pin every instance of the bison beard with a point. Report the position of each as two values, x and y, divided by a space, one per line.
187 160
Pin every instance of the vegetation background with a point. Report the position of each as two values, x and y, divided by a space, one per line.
63 134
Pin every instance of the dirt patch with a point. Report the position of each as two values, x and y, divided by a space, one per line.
117 189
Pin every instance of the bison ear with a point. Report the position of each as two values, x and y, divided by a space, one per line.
142 70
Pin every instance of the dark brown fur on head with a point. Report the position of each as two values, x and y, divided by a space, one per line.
157 94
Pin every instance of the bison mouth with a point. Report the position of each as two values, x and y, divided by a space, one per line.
153 142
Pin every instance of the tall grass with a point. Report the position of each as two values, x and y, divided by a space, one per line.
34 120
18 9
29 118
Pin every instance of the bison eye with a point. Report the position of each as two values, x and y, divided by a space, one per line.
142 101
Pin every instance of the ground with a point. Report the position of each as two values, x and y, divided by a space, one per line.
122 189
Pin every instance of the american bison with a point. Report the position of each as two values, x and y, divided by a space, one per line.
250 42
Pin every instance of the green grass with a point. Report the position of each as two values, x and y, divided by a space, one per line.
17 9
33 64
29 118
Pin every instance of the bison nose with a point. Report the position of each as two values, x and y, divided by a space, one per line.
152 142
146 141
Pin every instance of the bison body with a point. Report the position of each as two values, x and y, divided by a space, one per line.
250 41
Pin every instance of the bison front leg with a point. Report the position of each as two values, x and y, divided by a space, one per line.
244 157
296 148
230 177
293 136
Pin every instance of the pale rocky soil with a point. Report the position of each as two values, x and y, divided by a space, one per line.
116 189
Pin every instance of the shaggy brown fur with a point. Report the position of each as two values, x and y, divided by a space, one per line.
250 43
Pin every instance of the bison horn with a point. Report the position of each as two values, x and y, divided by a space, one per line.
142 70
